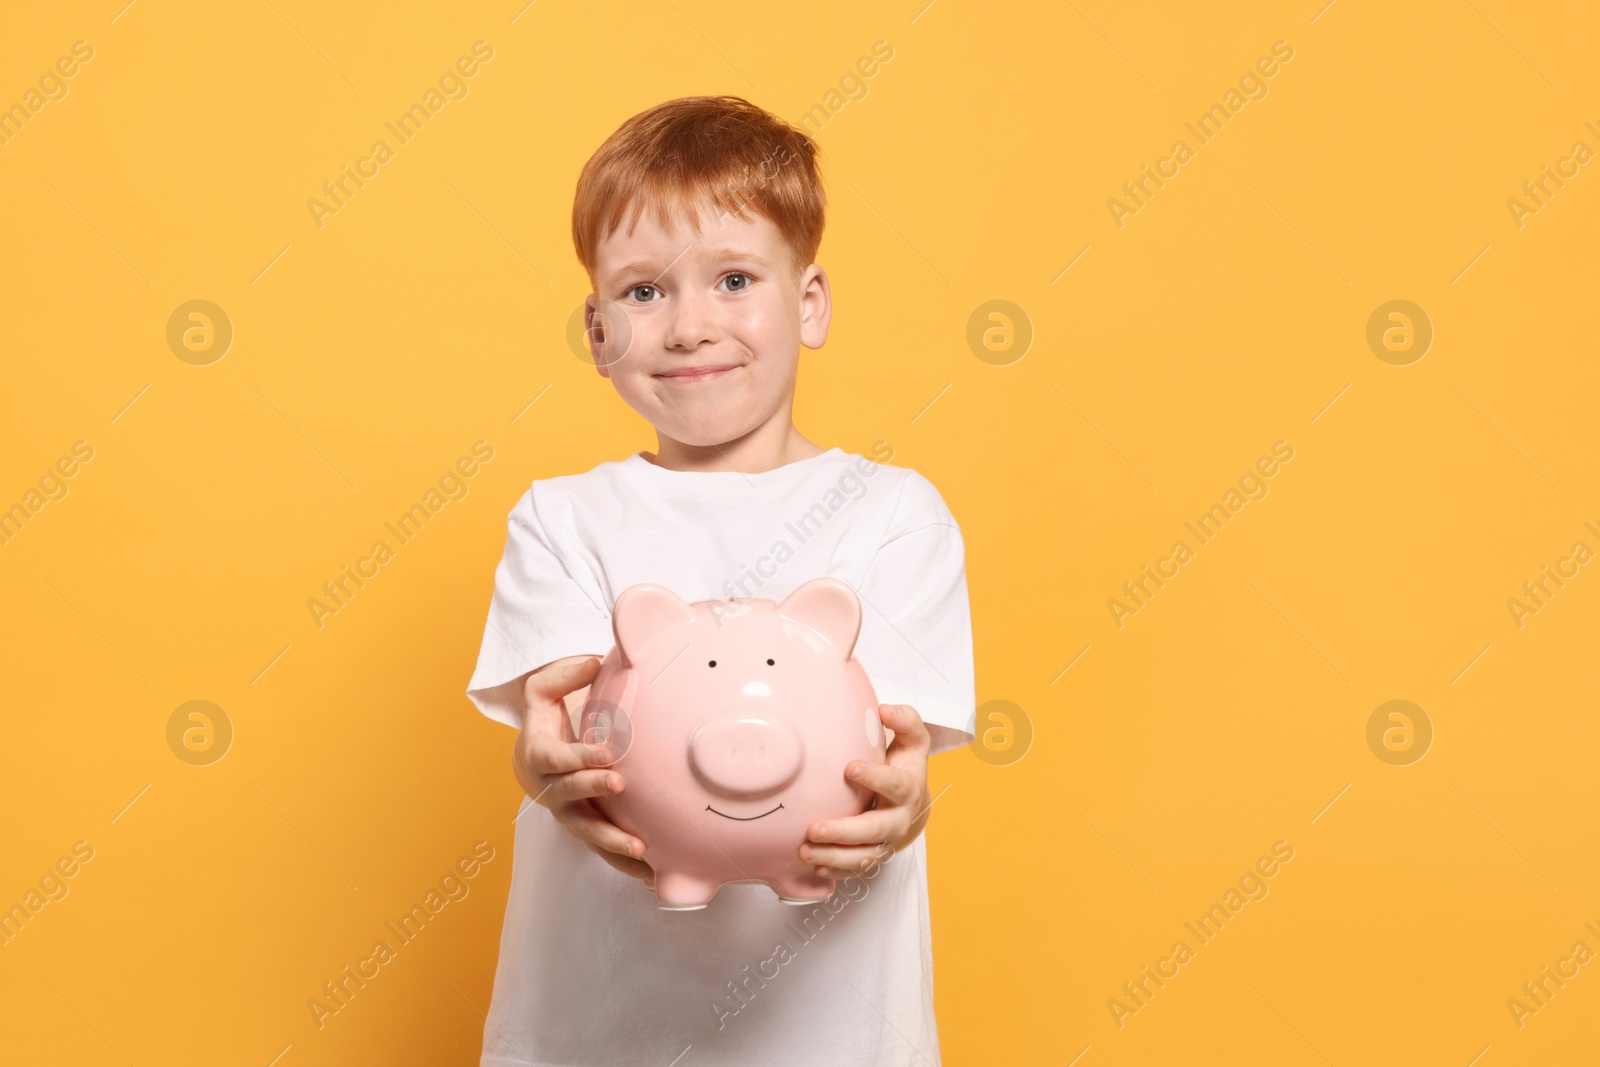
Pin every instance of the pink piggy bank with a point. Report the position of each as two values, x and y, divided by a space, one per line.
732 722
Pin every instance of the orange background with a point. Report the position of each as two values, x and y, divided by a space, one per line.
1168 354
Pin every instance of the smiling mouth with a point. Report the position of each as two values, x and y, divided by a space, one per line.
706 375
747 818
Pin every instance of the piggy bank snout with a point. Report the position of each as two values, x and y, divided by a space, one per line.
748 755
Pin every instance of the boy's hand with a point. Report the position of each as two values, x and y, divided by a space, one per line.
900 810
549 763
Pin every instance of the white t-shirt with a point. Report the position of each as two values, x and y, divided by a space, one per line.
591 973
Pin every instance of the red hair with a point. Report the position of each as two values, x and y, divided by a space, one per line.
721 150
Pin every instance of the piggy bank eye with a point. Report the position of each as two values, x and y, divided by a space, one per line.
713 663
769 663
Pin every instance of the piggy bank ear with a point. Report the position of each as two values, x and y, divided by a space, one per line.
829 607
645 614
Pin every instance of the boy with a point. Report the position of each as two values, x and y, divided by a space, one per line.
700 305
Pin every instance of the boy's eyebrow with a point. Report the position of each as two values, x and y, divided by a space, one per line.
738 253
646 266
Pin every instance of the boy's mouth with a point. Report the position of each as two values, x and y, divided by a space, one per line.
707 373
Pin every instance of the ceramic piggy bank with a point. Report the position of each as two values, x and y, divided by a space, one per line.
732 722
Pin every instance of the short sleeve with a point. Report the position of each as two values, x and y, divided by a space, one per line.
539 613
916 630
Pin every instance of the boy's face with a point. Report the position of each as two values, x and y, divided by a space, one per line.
702 330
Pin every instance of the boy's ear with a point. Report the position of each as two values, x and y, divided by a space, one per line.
607 331
816 306
593 324
829 607
645 614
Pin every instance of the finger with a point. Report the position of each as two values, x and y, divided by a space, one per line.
536 774
546 686
545 755
630 867
868 828
581 785
588 825
898 785
833 861
911 739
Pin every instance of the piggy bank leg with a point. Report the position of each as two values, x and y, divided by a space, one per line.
807 888
683 892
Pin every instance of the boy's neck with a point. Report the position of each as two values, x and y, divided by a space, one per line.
760 450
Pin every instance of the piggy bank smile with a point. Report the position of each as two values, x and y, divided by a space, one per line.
742 818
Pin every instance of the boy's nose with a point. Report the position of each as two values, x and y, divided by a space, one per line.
690 322
748 755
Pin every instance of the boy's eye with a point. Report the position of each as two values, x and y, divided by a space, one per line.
742 279
633 291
